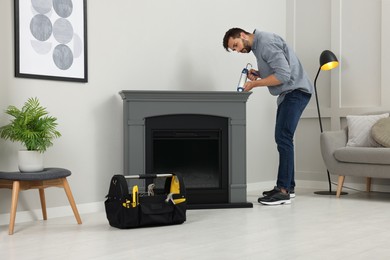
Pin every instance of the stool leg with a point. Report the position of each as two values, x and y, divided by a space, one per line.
43 203
368 184
71 200
14 205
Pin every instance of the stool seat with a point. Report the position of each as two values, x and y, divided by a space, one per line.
46 174
49 177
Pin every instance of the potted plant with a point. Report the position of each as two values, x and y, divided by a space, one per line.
34 129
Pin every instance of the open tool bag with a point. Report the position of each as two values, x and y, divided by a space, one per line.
155 206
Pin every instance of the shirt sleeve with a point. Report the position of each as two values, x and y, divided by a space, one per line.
275 57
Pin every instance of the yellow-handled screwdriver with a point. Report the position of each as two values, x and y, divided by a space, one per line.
135 196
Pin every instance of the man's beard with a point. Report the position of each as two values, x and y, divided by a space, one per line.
247 48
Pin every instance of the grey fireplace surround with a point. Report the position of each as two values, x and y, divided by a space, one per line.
139 105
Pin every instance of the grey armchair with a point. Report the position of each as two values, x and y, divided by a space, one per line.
341 160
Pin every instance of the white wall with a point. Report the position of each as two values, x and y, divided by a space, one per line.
149 44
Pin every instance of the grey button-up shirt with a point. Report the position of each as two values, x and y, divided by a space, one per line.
274 56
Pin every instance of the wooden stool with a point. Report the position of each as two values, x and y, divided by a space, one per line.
49 177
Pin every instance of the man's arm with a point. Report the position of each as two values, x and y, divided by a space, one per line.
269 81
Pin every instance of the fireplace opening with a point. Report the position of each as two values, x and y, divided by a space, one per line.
196 146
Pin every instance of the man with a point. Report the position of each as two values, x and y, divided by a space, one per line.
280 70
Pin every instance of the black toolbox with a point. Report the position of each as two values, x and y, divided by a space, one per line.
165 205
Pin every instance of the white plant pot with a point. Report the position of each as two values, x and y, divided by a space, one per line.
30 161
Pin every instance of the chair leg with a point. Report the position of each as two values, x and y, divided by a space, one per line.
14 205
43 203
71 200
368 184
340 185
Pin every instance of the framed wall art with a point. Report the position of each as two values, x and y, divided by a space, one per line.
51 40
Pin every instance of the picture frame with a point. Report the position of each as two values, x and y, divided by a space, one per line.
51 40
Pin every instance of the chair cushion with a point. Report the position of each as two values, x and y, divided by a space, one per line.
46 174
369 155
380 131
359 130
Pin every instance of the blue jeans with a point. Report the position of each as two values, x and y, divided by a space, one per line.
287 117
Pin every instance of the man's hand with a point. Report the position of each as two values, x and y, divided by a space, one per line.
253 74
249 85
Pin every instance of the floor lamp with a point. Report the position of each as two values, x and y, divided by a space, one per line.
328 61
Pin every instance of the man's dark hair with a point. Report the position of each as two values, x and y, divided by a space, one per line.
233 33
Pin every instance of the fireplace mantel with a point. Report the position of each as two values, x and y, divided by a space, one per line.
139 105
192 96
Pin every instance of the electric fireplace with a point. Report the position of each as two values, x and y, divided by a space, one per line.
200 135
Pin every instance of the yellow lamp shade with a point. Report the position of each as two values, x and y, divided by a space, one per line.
330 65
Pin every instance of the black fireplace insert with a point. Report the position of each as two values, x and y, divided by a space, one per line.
196 146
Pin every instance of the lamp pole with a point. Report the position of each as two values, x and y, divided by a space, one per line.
321 129
318 105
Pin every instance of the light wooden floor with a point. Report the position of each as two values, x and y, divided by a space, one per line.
357 226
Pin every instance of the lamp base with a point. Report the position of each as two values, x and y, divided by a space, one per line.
329 193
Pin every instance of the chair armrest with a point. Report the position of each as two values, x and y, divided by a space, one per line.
330 141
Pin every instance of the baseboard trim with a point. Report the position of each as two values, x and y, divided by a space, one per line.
319 185
54 212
